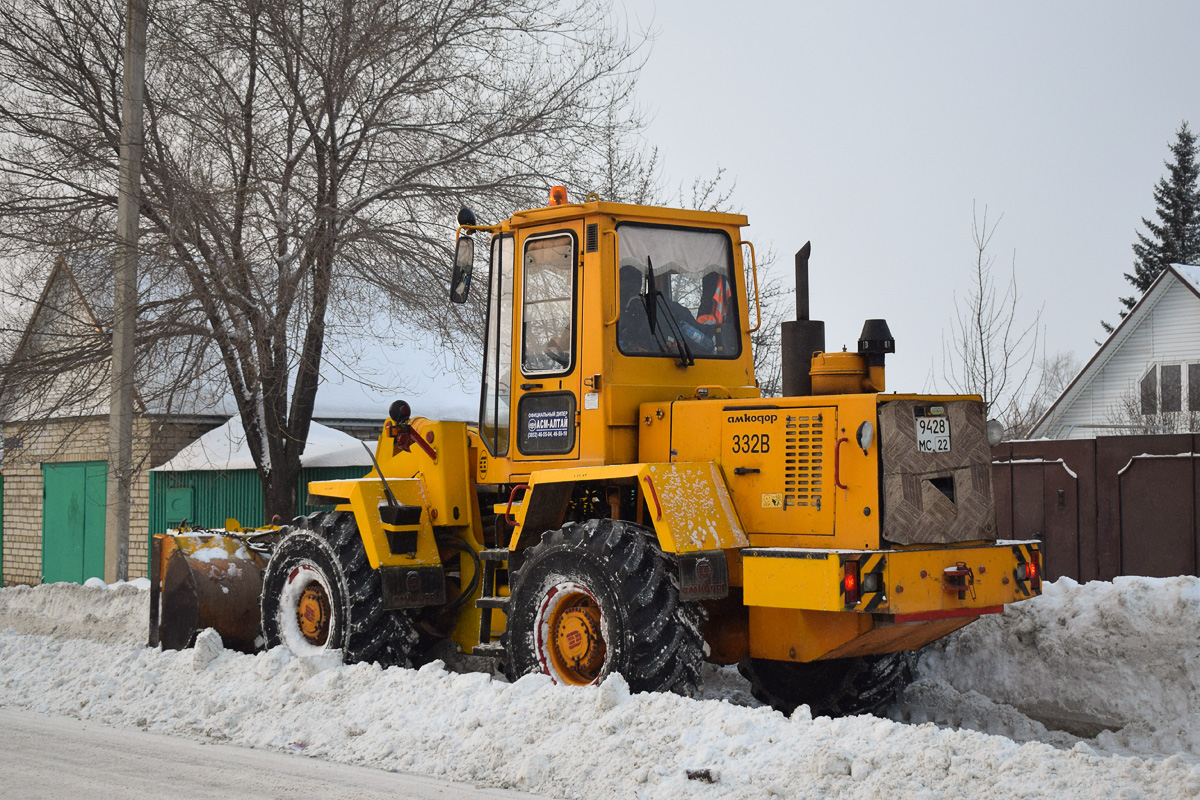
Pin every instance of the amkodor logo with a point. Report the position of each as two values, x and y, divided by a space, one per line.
761 419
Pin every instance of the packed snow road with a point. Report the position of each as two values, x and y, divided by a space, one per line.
47 758
1118 663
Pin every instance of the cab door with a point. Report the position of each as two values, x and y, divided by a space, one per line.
547 353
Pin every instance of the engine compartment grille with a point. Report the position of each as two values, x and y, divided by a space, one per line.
804 458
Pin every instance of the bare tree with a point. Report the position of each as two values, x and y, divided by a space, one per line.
1127 417
1054 374
990 351
628 168
303 163
766 300
711 193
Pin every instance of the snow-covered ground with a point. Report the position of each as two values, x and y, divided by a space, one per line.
1000 710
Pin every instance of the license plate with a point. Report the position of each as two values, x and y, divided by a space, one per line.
933 434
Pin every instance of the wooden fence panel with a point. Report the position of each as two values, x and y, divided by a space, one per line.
1196 502
1115 456
1060 503
1156 498
1117 505
1052 498
1002 489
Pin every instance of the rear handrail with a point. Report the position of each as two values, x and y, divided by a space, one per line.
754 273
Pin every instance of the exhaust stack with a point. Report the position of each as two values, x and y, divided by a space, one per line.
801 338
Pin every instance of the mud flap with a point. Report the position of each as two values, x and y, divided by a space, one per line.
412 587
703 575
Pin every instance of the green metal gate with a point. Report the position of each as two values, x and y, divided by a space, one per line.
206 498
73 508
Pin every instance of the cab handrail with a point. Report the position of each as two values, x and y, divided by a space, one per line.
754 273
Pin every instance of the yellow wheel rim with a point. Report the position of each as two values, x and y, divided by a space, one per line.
572 649
312 614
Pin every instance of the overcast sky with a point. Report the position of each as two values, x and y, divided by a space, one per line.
872 127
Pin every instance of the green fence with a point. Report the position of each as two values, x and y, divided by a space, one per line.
207 499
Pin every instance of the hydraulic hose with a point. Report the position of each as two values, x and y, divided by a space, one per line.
455 542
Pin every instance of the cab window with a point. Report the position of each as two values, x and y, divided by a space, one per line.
695 299
496 386
548 307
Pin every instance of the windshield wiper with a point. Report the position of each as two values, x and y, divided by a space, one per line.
686 359
651 299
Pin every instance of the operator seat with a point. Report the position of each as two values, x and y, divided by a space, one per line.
633 326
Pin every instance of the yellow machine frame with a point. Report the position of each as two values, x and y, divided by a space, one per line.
811 530
662 430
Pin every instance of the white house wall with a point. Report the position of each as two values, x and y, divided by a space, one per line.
1168 334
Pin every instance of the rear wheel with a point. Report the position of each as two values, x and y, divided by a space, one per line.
838 687
600 597
320 594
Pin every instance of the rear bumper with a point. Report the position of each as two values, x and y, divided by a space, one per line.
908 585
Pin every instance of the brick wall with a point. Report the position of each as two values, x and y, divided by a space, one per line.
81 439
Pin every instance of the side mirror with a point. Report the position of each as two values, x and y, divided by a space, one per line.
464 263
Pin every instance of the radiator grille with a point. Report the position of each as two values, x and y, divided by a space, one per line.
804 459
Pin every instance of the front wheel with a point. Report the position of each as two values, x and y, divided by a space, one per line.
320 594
839 687
600 597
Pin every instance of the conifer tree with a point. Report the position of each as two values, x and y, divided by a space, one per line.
1175 237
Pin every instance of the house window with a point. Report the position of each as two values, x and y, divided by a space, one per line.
1169 377
1161 390
1150 392
1193 387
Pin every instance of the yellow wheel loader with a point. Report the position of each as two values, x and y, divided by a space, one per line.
630 502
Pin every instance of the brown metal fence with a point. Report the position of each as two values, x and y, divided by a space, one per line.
1114 505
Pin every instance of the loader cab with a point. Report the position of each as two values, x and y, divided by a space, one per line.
595 308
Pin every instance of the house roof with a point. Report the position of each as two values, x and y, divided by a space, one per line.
225 448
361 376
82 316
1187 275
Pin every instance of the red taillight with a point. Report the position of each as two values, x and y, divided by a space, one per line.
1031 571
850 585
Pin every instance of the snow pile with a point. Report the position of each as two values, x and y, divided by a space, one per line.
117 613
1076 648
598 742
226 448
1122 656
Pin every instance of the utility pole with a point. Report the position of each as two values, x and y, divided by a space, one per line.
125 277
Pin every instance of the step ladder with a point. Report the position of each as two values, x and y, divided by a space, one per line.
493 559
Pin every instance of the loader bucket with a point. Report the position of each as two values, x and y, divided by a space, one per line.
205 580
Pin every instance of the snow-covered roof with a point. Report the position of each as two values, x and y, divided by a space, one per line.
362 376
1175 274
225 448
1188 274
363 369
